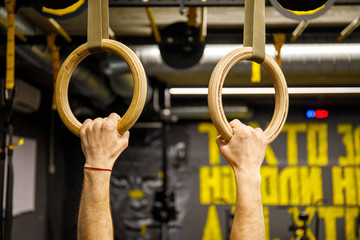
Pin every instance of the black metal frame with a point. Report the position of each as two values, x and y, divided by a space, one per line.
197 3
175 3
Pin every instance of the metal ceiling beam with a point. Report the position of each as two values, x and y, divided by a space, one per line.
175 3
197 3
347 2
214 36
172 3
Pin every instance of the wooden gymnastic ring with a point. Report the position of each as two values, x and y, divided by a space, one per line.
215 87
69 65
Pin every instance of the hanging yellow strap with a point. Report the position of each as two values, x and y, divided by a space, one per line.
18 34
279 40
192 17
55 60
153 25
255 72
299 30
349 29
203 25
18 143
10 45
59 29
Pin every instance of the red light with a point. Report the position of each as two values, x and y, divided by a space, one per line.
321 114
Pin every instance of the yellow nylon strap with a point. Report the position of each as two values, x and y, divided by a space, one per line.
279 40
55 60
299 30
59 29
349 29
18 143
192 17
203 25
254 28
18 34
154 27
98 23
10 45
255 72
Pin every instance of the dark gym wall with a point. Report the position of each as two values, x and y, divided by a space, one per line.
312 166
32 225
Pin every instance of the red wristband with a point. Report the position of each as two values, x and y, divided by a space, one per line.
100 169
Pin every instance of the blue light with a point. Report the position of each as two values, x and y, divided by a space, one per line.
310 113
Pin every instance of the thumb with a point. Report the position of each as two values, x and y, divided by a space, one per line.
114 117
221 142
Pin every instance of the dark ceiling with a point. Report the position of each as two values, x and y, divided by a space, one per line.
131 25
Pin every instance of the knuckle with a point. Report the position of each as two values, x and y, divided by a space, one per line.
82 132
97 125
245 133
87 121
125 143
108 125
265 142
88 130
235 123
114 115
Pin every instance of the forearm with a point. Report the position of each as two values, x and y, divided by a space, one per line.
94 220
248 220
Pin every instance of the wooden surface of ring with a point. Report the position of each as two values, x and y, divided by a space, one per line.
69 65
215 88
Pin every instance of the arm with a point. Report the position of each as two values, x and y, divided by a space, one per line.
245 153
101 145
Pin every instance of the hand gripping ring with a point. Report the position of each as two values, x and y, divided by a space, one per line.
66 70
215 87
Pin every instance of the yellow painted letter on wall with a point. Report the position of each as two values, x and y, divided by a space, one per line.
269 185
357 179
311 185
351 215
292 129
357 145
210 191
212 229
344 185
347 131
270 157
317 144
289 186
330 214
214 154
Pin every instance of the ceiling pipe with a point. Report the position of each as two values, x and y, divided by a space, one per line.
121 79
84 81
21 24
295 58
